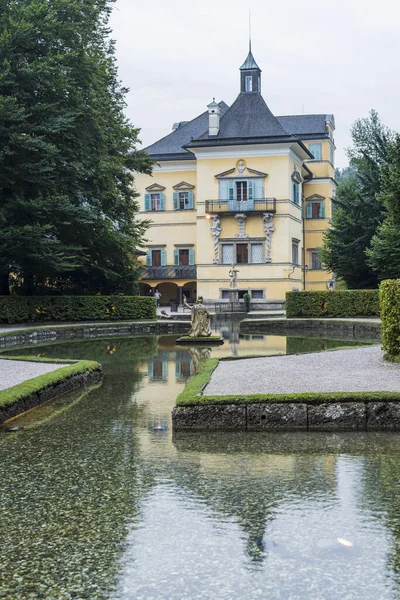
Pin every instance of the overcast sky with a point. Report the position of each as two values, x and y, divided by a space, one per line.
340 57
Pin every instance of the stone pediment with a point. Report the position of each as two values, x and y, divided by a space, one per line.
183 185
234 173
316 197
155 187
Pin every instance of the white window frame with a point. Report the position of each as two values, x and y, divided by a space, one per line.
155 202
248 83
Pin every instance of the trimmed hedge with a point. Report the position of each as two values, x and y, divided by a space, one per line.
390 315
21 309
346 303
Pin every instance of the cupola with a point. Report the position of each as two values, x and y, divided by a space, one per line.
250 75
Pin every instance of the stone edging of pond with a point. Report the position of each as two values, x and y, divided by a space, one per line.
48 333
356 328
337 411
33 392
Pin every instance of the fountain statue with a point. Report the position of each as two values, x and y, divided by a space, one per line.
200 331
200 318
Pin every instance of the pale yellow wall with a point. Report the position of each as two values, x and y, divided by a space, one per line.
170 227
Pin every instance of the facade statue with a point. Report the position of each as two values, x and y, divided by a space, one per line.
233 274
215 230
269 228
200 318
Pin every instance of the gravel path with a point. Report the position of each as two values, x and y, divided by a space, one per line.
13 372
354 370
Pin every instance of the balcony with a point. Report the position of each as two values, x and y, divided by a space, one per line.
256 205
181 272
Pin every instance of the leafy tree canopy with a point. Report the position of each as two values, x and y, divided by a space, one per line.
67 198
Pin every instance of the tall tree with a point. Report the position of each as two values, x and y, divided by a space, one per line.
357 208
384 254
67 152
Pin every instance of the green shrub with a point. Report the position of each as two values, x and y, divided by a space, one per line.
345 303
390 315
20 309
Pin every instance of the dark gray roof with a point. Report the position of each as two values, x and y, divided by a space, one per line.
249 63
305 125
248 117
172 143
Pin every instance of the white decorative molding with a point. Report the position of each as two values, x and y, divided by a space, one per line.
176 165
183 185
241 219
215 230
246 151
269 228
155 187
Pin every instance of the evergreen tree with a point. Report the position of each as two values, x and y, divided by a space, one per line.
67 198
384 254
357 208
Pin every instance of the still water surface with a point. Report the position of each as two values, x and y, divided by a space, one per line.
100 501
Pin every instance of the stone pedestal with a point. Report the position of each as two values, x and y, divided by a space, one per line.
233 295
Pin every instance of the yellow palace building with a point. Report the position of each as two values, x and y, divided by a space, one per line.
237 185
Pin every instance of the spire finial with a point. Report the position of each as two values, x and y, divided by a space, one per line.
249 29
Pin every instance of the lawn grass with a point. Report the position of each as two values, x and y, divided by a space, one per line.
32 386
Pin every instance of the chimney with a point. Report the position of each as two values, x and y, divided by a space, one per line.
213 118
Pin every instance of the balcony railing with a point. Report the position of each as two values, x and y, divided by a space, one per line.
237 206
186 272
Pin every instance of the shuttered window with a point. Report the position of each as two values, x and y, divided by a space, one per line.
154 202
315 210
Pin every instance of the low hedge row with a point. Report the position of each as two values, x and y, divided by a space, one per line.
346 303
390 315
21 309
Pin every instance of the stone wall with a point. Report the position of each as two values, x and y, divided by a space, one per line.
285 416
335 328
53 334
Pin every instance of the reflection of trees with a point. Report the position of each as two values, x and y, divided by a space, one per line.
381 489
246 483
112 353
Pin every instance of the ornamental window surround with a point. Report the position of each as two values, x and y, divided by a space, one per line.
154 199
183 197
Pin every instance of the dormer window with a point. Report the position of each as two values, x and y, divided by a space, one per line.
249 83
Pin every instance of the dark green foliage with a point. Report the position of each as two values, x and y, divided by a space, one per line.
346 303
67 201
247 300
358 210
384 254
301 345
390 316
17 309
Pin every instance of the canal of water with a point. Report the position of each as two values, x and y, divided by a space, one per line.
100 501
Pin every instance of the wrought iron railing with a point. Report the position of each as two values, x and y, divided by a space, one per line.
169 272
237 206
